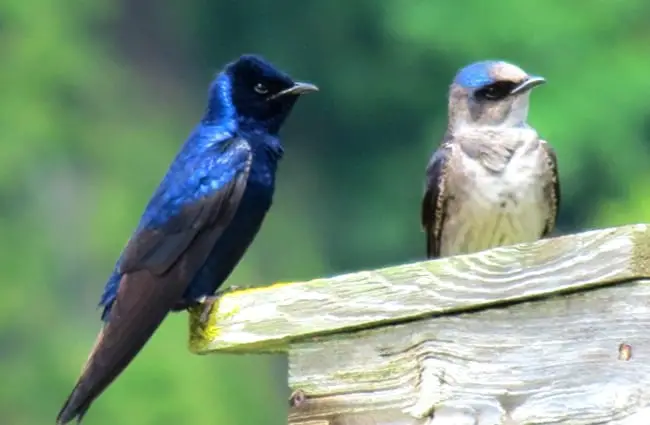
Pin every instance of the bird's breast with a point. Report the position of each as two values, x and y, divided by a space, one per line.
488 209
519 181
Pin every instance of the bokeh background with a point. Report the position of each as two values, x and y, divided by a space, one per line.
96 97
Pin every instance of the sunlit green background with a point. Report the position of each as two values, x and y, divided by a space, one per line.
96 97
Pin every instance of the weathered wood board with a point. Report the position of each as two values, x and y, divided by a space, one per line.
267 319
536 333
561 360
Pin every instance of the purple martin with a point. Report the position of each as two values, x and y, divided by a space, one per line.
492 181
198 223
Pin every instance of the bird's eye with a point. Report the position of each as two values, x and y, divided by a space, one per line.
261 88
495 91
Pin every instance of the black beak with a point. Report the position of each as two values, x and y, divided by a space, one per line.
528 84
295 90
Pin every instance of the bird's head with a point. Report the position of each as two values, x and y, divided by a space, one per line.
491 93
257 92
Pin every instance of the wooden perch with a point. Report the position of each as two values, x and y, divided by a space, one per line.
552 332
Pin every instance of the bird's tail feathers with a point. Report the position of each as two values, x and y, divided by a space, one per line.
65 415
140 307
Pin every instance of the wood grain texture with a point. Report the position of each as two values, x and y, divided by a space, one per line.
268 319
576 359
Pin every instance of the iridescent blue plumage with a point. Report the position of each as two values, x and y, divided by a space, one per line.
476 74
183 184
198 223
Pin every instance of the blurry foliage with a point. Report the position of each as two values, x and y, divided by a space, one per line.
97 97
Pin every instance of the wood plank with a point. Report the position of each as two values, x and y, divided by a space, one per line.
552 361
267 319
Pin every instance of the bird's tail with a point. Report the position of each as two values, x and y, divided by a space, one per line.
140 307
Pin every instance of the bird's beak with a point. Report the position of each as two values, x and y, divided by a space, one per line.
295 90
528 84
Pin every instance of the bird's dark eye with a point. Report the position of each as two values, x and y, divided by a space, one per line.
495 91
261 88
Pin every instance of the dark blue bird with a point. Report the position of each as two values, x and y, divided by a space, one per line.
199 222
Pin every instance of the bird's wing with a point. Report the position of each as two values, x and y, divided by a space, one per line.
157 265
157 248
552 189
434 200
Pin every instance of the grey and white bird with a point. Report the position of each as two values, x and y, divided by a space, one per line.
492 181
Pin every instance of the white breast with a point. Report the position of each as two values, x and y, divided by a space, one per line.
494 209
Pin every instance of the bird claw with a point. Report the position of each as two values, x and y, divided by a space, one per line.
208 301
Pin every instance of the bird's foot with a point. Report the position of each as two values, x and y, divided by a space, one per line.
209 300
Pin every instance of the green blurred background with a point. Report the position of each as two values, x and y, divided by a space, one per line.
96 98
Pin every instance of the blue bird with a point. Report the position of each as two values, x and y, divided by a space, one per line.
493 181
199 222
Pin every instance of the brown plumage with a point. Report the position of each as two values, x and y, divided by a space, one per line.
448 183
492 181
552 188
434 208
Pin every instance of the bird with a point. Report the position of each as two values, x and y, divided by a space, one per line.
198 223
492 181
